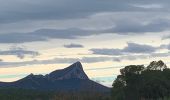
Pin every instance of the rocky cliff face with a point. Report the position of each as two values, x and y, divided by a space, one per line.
73 71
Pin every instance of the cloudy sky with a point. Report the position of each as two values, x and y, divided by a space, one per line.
39 36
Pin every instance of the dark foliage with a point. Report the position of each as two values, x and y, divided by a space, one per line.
82 96
139 83
25 94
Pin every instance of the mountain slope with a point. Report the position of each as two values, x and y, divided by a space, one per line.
73 71
72 78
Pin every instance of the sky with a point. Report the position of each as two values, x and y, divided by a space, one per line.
40 36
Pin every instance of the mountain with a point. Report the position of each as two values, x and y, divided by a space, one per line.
72 78
73 71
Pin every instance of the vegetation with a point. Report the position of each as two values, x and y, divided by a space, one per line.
23 94
139 83
82 96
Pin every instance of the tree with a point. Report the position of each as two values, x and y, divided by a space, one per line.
137 82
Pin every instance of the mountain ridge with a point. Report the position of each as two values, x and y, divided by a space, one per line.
72 78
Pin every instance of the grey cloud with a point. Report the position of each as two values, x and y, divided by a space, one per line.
105 51
165 46
130 57
20 38
43 35
129 26
72 45
17 10
166 37
131 48
139 48
83 60
55 61
19 52
140 56
61 33
123 28
31 11
35 62
149 6
95 59
153 55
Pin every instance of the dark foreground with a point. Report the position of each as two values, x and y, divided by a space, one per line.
23 94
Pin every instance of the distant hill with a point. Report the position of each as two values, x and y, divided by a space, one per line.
72 78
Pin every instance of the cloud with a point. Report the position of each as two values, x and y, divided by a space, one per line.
95 59
132 57
44 13
20 38
165 46
149 6
35 62
122 27
4 64
17 10
72 45
154 55
55 61
42 35
166 37
126 27
19 52
139 48
105 51
131 48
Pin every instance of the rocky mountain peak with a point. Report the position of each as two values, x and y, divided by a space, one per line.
73 71
157 65
76 65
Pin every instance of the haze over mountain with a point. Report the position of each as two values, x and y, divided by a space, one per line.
72 78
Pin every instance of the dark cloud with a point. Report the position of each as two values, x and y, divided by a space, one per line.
133 51
38 11
125 27
19 52
61 33
131 48
43 35
55 61
139 48
140 56
17 10
166 37
35 62
20 38
165 46
130 57
107 51
95 59
154 55
72 45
